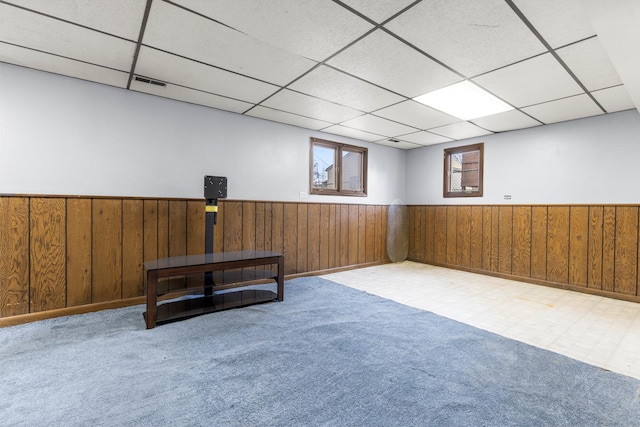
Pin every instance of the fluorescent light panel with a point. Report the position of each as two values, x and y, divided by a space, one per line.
464 100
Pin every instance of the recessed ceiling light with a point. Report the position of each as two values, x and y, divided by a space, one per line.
464 100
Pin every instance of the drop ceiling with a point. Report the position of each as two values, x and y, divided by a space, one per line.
349 67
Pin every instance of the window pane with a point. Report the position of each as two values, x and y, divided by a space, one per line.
324 170
463 171
351 170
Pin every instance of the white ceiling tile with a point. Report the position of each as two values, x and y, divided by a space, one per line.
305 105
192 96
288 118
402 145
119 17
175 30
352 133
470 37
394 65
174 69
378 125
312 28
338 87
418 115
508 120
575 107
35 31
67 67
614 99
591 64
424 138
559 22
378 11
461 130
530 82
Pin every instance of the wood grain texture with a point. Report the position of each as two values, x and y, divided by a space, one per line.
370 232
475 240
463 236
578 245
218 229
106 262
232 226
177 227
303 239
608 248
487 235
343 245
521 247
594 264
413 234
290 224
362 234
429 234
277 227
418 234
47 290
150 220
452 236
440 249
558 244
78 252
495 238
539 242
505 238
196 229
626 252
132 248
163 228
325 228
313 237
354 226
259 226
248 227
14 256
332 249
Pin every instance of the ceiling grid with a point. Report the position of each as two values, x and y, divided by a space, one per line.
348 67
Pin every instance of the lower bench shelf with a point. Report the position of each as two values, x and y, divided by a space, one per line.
212 265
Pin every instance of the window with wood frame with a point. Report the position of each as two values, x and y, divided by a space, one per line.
337 169
463 171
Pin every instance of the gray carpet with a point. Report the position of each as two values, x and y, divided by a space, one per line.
327 356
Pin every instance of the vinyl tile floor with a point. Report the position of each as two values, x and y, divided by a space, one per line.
600 331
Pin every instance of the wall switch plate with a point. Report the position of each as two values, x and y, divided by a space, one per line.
507 196
303 194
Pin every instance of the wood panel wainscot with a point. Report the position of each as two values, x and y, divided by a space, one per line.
588 248
63 255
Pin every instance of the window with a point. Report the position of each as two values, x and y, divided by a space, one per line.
463 168
338 169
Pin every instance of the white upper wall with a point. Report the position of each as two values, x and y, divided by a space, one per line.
592 160
65 136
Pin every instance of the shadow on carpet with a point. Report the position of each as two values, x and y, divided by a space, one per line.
328 355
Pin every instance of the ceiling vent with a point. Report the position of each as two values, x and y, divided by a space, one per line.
394 140
150 81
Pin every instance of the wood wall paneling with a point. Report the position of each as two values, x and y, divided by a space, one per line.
594 263
47 290
505 238
290 238
608 248
463 236
429 235
487 235
451 237
495 238
106 262
79 252
539 242
354 218
578 245
440 250
302 238
475 237
521 246
132 248
626 250
558 244
313 237
14 256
